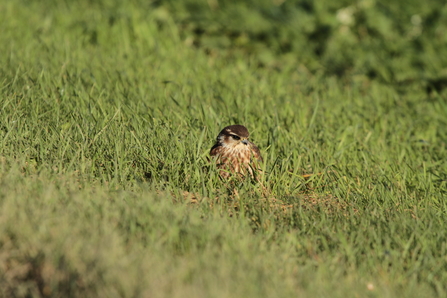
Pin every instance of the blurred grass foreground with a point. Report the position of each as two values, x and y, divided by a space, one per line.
109 109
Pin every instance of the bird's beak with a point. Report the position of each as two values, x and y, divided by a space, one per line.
245 142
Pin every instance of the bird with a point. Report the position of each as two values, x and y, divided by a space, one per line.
234 153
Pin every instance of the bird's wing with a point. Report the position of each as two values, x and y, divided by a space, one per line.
216 150
256 152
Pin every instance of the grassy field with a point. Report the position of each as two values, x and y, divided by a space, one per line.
108 112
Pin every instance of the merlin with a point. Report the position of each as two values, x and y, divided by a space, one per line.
234 153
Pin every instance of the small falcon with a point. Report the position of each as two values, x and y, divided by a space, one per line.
234 153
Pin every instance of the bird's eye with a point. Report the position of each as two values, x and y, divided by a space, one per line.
236 137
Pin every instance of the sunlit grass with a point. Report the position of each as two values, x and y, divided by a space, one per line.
107 117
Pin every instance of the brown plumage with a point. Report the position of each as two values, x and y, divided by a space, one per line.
234 153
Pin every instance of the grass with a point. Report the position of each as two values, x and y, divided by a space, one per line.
108 112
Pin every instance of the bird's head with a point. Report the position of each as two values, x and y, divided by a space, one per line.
233 135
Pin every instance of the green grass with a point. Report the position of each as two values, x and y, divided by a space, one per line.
107 115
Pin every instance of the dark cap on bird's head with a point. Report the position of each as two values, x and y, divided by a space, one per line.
238 130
